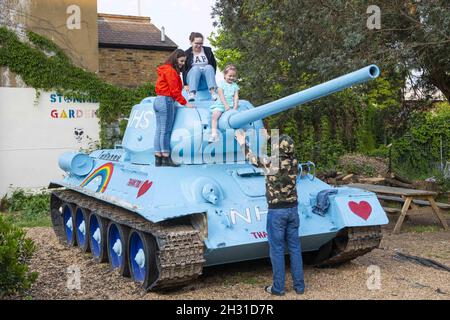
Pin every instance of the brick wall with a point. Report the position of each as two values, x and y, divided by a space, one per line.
129 67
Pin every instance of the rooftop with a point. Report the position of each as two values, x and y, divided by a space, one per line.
133 32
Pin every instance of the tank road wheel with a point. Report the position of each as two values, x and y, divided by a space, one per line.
81 228
56 209
69 224
348 244
330 249
97 237
142 258
117 248
316 257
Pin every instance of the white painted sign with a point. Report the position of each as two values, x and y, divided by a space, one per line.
34 133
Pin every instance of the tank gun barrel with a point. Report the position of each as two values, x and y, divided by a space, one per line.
238 120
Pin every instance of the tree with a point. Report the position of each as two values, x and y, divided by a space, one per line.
277 41
283 46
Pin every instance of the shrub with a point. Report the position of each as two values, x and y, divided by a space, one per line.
15 255
442 181
363 165
425 144
28 210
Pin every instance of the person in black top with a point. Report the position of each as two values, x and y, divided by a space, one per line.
200 62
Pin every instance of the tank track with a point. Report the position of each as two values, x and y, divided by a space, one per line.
360 240
180 253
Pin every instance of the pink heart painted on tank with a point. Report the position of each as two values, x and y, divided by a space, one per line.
144 188
362 209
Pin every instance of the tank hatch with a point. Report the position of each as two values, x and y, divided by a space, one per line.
248 180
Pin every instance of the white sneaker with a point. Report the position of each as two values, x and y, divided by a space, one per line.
191 96
214 96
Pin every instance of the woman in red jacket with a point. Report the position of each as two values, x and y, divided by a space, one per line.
168 89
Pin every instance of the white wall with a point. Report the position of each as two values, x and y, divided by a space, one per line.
35 132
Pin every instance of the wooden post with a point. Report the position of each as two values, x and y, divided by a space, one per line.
438 212
405 208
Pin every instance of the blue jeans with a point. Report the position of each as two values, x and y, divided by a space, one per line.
282 227
194 75
165 117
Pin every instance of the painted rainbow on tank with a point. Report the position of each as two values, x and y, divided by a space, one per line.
105 172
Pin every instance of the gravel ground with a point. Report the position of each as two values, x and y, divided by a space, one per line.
399 279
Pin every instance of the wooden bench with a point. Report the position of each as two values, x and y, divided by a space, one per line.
444 206
392 210
408 196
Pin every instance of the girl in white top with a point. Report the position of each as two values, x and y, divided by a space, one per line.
228 98
200 63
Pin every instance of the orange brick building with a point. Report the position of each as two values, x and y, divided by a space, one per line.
130 49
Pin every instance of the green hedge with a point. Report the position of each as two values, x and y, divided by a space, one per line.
418 151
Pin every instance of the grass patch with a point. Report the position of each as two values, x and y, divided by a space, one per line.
25 221
26 209
422 229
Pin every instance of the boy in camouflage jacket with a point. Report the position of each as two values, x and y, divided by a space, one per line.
283 219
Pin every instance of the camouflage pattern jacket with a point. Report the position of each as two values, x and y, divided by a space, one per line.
281 174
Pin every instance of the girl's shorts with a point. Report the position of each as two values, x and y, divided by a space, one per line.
217 108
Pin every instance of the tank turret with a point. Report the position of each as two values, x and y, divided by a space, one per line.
189 141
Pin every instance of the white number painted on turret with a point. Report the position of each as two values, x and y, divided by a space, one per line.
247 217
140 119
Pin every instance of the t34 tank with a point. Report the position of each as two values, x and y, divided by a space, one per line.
163 225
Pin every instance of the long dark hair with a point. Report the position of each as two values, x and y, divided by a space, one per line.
172 59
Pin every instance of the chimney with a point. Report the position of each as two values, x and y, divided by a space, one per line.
163 34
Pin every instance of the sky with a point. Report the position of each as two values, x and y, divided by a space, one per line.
179 17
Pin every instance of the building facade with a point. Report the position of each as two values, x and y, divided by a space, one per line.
130 49
36 128
122 50
70 24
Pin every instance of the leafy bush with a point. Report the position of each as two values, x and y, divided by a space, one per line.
381 152
443 182
419 149
362 165
15 254
29 210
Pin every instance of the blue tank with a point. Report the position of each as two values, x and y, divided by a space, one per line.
163 225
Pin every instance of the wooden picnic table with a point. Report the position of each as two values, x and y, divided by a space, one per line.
408 195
